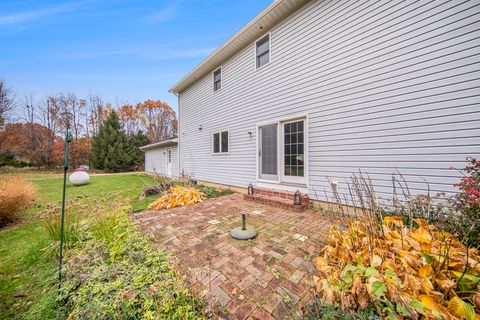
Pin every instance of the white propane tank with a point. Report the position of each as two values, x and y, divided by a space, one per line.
79 178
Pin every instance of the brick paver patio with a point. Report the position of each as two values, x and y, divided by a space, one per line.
265 278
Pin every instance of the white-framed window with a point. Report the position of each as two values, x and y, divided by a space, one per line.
217 79
220 142
262 51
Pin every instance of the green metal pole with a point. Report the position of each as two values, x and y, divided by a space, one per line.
68 139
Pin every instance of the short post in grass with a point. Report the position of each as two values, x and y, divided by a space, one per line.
68 139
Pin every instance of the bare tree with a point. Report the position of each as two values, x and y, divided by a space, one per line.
6 102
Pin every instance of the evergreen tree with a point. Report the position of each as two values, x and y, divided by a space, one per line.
111 148
136 141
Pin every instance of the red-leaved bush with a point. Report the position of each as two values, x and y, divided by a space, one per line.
467 203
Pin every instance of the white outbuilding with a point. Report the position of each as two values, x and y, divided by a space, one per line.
162 157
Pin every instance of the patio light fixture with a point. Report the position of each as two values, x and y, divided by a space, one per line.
297 200
250 188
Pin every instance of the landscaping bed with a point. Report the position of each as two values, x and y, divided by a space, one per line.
111 271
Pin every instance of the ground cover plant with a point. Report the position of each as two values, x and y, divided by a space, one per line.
162 184
415 257
402 271
317 310
28 269
115 272
16 194
178 196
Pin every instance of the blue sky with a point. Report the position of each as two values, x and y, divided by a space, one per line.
125 50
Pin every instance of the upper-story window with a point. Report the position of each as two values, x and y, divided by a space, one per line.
263 51
217 79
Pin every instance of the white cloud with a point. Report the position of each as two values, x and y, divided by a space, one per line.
31 15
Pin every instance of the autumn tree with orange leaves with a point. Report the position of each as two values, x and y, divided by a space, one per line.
38 139
155 118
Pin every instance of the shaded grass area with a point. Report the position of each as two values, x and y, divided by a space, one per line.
27 273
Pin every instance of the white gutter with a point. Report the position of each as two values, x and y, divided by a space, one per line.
173 141
276 12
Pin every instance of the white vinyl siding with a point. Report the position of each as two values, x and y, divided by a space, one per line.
155 160
386 86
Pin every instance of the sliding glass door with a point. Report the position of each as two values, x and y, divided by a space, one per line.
281 152
268 152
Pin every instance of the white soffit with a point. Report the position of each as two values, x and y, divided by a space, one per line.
276 12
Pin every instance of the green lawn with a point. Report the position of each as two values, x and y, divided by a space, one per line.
27 274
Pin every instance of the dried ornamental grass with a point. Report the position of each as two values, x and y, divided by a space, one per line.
178 197
406 273
16 194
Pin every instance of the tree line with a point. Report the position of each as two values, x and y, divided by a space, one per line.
36 138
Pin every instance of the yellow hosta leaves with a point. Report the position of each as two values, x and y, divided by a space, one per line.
419 272
359 290
461 309
436 309
178 197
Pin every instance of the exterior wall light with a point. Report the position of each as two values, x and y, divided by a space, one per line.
297 200
200 128
250 189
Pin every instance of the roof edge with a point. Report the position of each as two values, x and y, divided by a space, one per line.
269 17
159 144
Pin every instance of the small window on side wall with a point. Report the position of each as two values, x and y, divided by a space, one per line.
220 142
262 50
217 79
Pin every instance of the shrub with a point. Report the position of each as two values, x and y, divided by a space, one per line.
178 197
85 218
212 192
160 185
74 226
403 272
8 159
467 203
16 194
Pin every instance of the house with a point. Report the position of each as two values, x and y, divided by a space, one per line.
162 157
310 92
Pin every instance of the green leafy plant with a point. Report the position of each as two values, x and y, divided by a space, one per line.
212 192
318 311
125 277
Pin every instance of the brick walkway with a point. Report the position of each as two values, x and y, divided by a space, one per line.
265 278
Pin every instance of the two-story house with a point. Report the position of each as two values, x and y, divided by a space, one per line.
310 92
